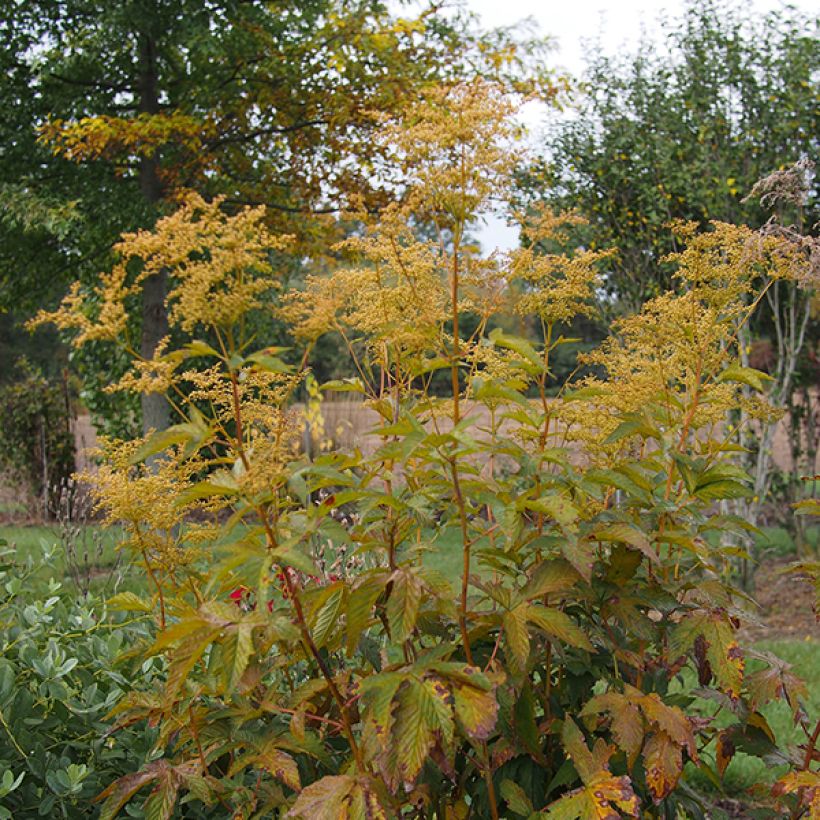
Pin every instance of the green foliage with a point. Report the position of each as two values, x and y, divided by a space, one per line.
683 130
36 441
58 679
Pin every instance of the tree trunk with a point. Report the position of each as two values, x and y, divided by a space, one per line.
155 408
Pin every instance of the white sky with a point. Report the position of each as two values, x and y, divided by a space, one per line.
617 23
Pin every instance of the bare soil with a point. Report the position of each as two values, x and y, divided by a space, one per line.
786 604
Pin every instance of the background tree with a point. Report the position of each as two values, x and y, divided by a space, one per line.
119 106
683 129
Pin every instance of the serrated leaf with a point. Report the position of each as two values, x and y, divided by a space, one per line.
580 553
602 794
553 575
352 385
324 799
663 761
516 636
379 692
403 604
360 604
533 362
516 798
722 490
241 649
623 533
627 722
128 602
326 617
722 650
558 624
476 710
556 507
413 731
281 766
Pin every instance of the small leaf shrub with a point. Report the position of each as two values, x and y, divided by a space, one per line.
59 677
529 577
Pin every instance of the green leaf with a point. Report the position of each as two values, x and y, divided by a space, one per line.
745 375
128 602
557 507
360 602
414 726
353 385
517 637
326 618
719 490
623 533
403 604
241 649
271 364
559 625
516 797
533 363
553 575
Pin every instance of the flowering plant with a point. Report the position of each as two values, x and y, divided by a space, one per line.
534 578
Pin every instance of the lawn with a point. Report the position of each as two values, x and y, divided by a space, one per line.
86 554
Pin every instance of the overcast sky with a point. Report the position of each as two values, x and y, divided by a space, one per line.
617 24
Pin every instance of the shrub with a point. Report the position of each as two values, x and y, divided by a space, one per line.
36 441
528 675
58 679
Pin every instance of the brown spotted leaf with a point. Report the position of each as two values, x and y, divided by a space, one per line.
603 796
722 650
806 784
476 710
663 761
724 750
627 721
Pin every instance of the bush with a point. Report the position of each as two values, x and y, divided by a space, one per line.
322 662
58 679
36 441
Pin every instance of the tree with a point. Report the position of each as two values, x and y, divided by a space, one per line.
683 133
683 130
124 104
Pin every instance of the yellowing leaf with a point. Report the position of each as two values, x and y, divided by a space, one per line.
550 576
516 636
476 710
663 762
602 795
722 650
324 799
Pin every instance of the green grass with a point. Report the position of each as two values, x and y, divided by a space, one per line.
95 549
745 774
775 542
